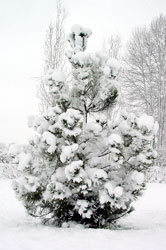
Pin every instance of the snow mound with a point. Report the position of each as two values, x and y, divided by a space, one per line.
147 122
58 76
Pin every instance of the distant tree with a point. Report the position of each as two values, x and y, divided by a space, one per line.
112 46
54 52
55 42
145 73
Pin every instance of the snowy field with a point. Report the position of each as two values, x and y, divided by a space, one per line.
144 229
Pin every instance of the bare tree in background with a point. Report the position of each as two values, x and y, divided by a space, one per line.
145 74
112 46
139 72
54 52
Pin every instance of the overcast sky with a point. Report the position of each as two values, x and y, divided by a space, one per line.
22 30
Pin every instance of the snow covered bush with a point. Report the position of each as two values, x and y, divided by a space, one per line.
83 168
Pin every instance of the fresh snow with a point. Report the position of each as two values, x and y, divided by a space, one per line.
14 149
50 140
115 139
68 152
58 76
24 159
144 229
146 121
138 177
118 191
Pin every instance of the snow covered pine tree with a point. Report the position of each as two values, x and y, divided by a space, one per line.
82 168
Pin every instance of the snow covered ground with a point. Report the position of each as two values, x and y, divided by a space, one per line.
144 229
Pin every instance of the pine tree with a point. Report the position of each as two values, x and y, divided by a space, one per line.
83 168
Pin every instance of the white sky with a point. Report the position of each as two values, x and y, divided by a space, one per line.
22 31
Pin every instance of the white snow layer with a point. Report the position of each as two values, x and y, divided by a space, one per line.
55 75
115 139
144 229
138 177
58 76
50 139
68 152
146 121
14 149
24 160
